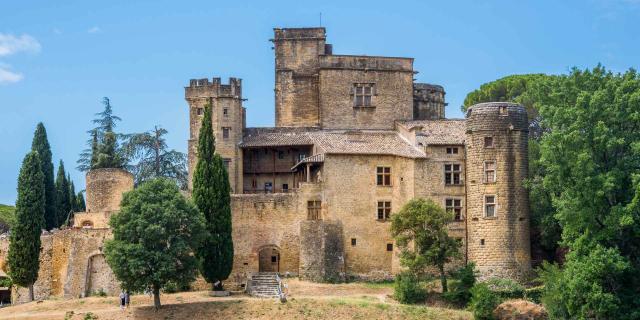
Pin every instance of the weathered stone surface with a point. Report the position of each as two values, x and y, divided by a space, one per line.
520 310
105 188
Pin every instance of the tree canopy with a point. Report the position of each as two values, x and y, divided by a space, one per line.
155 235
104 144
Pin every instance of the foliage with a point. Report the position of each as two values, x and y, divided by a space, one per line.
80 204
154 238
211 194
73 202
41 145
6 282
591 156
408 288
104 144
534 294
483 302
63 203
420 230
506 288
7 217
173 287
153 158
90 316
460 292
24 245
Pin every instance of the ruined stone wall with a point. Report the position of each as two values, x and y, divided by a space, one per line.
428 101
498 245
321 251
227 112
392 98
105 188
296 80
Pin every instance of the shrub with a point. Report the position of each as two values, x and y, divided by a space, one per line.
463 280
483 302
6 282
170 287
506 288
534 294
408 289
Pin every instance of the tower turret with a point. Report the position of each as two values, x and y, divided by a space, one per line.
428 101
497 202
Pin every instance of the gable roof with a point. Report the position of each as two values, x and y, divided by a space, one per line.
438 132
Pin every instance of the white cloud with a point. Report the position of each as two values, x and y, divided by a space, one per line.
57 31
95 29
10 44
7 76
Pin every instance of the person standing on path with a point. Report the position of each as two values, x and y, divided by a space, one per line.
122 300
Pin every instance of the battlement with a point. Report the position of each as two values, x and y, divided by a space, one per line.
199 88
497 115
299 34
369 63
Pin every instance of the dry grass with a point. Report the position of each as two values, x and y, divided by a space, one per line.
307 301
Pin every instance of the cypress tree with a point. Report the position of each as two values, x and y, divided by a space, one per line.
41 145
94 149
211 194
24 245
73 202
62 195
80 202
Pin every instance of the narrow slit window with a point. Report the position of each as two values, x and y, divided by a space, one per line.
225 132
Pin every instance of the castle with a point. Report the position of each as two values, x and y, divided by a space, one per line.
355 139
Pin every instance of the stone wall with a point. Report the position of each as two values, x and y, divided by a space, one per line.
428 102
498 245
105 188
321 251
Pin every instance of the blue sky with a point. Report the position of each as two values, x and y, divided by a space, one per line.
58 59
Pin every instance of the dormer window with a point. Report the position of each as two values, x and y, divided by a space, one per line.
362 94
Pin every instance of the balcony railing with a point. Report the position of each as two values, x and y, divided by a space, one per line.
267 191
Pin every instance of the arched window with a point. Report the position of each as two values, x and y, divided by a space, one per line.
87 224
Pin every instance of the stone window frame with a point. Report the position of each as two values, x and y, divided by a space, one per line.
354 242
485 204
453 173
226 133
490 145
383 176
453 208
225 112
383 210
451 150
199 111
485 179
314 208
363 98
389 247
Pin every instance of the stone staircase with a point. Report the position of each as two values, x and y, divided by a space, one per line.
264 285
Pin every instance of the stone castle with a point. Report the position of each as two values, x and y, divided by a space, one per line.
355 139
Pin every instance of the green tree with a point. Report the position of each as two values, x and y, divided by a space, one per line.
211 194
154 160
420 231
63 206
109 155
41 145
80 202
103 134
7 217
154 237
591 155
24 245
73 202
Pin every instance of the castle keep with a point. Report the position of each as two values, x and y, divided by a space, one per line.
355 139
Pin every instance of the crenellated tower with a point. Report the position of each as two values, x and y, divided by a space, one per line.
228 116
497 201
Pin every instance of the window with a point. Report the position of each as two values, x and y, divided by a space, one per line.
452 174
353 242
482 242
285 187
274 259
226 163
452 150
389 246
225 112
280 154
87 224
384 210
313 210
488 142
383 176
301 156
362 93
225 132
199 111
489 171
489 206
454 206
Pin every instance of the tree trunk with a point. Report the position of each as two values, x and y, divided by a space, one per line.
156 297
443 279
31 294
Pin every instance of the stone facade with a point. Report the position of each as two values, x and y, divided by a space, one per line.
355 139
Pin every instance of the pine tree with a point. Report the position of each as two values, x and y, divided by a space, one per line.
73 202
24 245
63 207
211 194
108 154
80 202
106 123
41 145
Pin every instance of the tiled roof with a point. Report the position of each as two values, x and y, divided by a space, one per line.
446 131
316 158
273 137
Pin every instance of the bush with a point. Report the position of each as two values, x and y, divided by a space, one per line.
506 288
463 280
6 282
534 294
483 302
409 289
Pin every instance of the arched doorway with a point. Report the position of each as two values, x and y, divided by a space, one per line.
269 259
100 278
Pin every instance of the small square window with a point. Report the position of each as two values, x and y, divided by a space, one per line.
389 246
353 242
488 142
452 150
482 242
199 111
285 187
225 112
274 259
225 132
362 93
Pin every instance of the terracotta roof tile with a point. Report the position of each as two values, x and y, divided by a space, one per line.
438 132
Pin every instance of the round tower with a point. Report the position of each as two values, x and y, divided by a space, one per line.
497 202
105 188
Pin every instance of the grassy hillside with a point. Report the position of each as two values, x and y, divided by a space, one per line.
6 217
